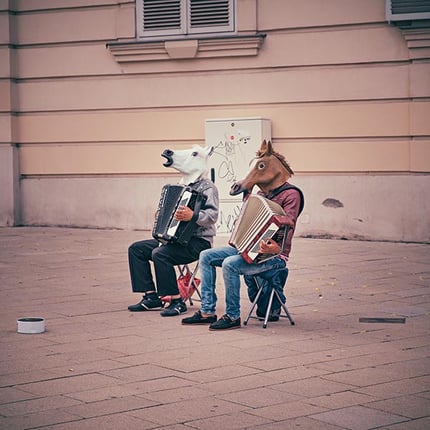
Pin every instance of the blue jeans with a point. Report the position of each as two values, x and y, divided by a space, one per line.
233 265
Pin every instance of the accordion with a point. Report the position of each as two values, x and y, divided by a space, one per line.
256 222
166 229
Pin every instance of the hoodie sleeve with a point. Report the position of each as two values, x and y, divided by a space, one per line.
208 214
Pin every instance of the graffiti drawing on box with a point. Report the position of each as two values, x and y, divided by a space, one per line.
230 159
232 154
235 143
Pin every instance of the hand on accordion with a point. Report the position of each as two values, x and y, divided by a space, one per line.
183 213
269 247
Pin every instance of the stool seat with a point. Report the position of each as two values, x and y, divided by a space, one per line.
188 283
272 283
192 281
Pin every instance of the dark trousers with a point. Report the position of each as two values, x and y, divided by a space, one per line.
164 258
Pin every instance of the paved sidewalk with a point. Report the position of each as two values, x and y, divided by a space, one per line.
100 366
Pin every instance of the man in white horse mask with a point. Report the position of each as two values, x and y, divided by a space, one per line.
192 164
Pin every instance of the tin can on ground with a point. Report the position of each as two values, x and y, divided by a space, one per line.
31 325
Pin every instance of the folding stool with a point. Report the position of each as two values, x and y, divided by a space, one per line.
273 295
185 269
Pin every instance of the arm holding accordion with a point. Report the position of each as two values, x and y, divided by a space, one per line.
261 230
270 246
184 212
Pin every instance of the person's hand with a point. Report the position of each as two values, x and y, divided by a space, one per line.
183 213
269 247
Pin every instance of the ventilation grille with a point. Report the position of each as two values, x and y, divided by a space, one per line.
401 10
209 13
161 14
165 18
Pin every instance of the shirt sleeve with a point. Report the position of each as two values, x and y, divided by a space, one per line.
290 202
208 214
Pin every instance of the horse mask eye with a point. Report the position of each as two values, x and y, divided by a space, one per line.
261 165
194 154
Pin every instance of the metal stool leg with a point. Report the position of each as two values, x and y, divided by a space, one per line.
185 269
254 303
193 282
269 307
284 307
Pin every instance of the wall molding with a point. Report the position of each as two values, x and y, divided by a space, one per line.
216 47
418 42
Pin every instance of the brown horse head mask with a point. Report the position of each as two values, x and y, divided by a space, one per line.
270 171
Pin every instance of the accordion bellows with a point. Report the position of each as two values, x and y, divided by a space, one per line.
168 230
257 221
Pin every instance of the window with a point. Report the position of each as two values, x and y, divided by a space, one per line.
406 10
169 18
188 29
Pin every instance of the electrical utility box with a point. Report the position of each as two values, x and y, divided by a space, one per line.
235 142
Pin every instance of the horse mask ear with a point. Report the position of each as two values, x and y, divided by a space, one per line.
269 150
266 148
209 150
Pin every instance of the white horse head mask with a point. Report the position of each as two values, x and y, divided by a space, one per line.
191 163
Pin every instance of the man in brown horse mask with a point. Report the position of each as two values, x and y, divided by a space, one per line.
270 173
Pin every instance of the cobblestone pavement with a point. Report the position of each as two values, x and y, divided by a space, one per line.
99 366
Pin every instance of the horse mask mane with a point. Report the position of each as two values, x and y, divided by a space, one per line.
266 149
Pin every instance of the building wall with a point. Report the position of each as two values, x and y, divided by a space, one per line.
86 118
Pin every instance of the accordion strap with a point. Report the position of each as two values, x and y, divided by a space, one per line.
200 185
289 187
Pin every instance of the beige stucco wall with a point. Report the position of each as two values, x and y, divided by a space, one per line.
347 96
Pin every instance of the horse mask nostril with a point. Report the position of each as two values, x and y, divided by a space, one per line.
235 189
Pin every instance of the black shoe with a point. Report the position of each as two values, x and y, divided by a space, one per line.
147 303
273 315
225 323
176 307
197 318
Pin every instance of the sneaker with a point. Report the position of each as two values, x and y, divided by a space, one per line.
147 303
225 323
197 318
176 307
